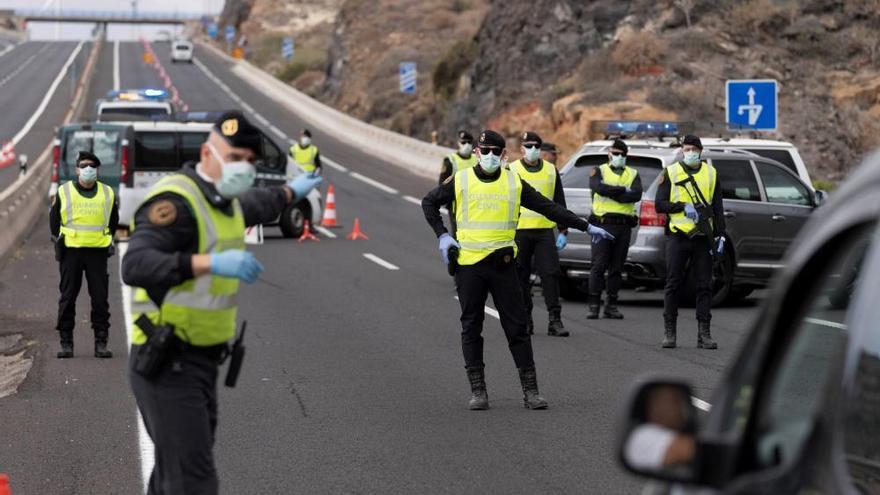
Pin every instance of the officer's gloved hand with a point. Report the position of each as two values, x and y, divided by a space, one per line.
561 241
236 263
691 212
446 242
719 244
598 234
302 184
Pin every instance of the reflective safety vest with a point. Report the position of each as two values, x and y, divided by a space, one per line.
459 163
544 181
85 222
705 178
486 215
603 205
203 309
305 157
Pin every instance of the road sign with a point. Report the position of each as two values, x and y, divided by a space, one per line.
409 73
230 33
287 48
752 104
212 30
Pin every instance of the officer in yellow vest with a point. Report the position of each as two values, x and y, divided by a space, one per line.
489 197
185 259
82 222
686 244
306 154
462 159
535 237
616 190
550 153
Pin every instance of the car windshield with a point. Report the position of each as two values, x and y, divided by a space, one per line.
104 144
579 175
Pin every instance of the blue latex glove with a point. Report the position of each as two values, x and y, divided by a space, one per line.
446 242
236 263
302 184
691 212
598 234
719 245
561 241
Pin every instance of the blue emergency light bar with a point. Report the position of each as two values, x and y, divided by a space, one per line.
646 128
138 94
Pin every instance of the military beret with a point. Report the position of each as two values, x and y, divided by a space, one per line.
693 141
89 156
618 144
530 137
239 132
548 146
307 133
465 137
492 138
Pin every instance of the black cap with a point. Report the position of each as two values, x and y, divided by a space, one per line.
618 144
530 137
465 137
87 155
492 138
306 133
548 146
239 132
692 140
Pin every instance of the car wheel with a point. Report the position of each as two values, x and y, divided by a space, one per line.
739 294
722 283
292 221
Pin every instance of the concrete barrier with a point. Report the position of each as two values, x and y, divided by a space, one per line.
392 147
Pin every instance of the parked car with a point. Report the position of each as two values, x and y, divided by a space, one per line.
798 411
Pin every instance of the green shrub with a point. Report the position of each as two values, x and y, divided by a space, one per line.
452 66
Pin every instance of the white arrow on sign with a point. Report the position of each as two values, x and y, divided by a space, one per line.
754 110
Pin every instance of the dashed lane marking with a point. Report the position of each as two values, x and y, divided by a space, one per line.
325 231
489 311
331 163
415 201
379 261
374 183
826 323
701 404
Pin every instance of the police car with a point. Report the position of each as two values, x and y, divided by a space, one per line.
134 104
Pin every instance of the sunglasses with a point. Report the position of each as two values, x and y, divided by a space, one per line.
84 164
616 153
531 145
485 150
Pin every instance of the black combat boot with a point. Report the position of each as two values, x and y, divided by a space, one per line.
669 338
704 337
480 398
530 325
531 397
556 328
593 301
101 345
611 310
66 351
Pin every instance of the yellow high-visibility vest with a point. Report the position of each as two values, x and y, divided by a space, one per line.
459 163
85 222
203 310
305 157
486 214
603 205
705 178
544 181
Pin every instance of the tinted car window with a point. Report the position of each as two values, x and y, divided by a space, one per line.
781 156
737 179
273 159
782 187
579 175
156 151
191 145
104 144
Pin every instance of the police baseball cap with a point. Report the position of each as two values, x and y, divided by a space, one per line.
492 139
239 132
531 137
692 140
619 145
465 137
88 156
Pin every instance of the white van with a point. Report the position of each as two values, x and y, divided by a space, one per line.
181 51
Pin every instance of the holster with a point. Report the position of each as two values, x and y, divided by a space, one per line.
452 267
60 248
161 344
236 358
502 258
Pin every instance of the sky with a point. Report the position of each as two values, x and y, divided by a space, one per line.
72 31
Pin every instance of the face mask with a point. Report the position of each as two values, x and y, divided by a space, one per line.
490 163
305 142
88 174
692 158
237 177
532 154
465 149
618 161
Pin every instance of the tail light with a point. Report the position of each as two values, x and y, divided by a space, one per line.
649 216
124 173
56 157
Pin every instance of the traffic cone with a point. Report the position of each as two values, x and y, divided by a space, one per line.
329 219
356 232
4 485
307 234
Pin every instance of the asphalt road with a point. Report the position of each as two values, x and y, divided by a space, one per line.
354 381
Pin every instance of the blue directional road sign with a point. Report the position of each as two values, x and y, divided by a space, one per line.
287 48
752 104
409 73
230 34
212 30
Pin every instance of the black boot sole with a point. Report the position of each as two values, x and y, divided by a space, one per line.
64 355
612 317
563 333
592 317
710 347
668 346
536 407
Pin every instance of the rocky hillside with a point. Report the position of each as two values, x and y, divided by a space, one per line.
556 65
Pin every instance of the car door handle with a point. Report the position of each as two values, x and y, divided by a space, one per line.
729 214
778 218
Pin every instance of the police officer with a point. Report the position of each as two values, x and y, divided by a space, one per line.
550 153
616 190
462 159
306 154
186 257
82 222
488 199
535 237
679 197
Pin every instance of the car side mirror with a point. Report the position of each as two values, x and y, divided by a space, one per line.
659 438
821 197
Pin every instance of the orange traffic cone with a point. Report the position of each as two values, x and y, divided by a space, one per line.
307 234
4 485
356 232
329 219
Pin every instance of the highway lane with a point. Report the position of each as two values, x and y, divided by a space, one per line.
354 380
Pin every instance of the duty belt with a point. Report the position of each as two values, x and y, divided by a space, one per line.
612 219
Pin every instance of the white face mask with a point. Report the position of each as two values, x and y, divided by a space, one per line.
618 161
237 177
305 142
88 174
465 149
490 163
692 158
531 155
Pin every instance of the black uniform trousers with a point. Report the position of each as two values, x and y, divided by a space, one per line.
609 256
92 261
179 408
539 244
680 252
474 284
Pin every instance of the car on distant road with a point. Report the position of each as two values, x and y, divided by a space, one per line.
181 51
798 409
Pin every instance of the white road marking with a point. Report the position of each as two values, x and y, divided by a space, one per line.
701 404
379 261
415 201
324 231
36 115
489 311
374 183
826 323
116 65
329 162
244 105
147 449
278 132
262 120
8 49
22 66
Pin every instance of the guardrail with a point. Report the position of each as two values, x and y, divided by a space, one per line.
108 14
404 151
